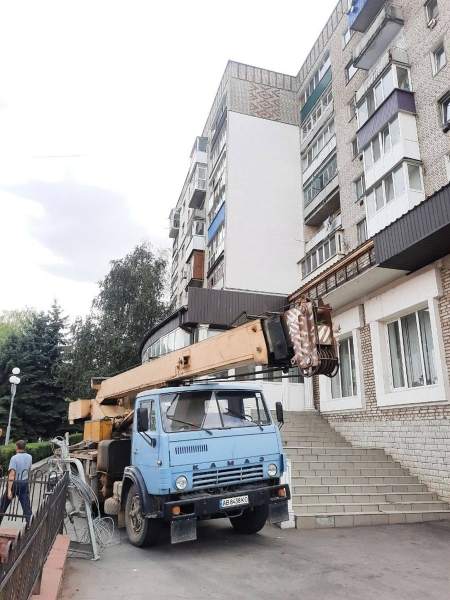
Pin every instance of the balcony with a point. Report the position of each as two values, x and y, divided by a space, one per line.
174 219
321 86
195 270
336 223
378 37
320 158
362 13
399 100
197 186
197 242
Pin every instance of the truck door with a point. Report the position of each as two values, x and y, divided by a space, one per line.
145 445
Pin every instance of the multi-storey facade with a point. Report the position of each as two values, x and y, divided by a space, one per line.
336 183
374 97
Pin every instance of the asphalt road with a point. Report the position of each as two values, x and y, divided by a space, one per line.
395 562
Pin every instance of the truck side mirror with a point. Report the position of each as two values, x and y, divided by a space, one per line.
142 419
280 414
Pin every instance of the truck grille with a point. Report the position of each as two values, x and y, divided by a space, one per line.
229 476
191 449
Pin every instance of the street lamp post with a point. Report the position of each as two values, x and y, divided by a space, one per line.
14 381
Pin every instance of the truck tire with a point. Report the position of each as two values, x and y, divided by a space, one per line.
252 520
141 532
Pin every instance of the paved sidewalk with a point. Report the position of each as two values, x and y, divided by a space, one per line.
394 562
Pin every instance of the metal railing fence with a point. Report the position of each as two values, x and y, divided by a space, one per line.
24 556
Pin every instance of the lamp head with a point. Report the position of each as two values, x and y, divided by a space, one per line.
16 371
14 380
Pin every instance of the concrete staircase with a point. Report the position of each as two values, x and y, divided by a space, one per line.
337 485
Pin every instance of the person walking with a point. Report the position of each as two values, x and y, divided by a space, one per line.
17 484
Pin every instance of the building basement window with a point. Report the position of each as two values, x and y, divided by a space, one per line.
411 351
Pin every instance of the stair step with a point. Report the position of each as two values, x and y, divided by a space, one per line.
369 518
375 472
319 454
392 488
299 498
344 464
346 451
382 507
348 480
325 444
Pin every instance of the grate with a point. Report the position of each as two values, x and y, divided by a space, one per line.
227 476
191 449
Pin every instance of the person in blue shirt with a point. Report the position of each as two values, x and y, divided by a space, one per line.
17 485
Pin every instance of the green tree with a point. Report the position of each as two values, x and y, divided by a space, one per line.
131 300
39 409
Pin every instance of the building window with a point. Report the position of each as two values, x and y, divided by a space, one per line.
215 276
439 59
362 231
343 385
390 188
394 77
355 148
350 70
347 36
411 351
319 181
321 254
359 187
321 106
445 110
415 180
432 10
294 375
382 143
352 108
320 142
316 78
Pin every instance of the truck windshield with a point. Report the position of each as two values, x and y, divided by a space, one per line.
206 409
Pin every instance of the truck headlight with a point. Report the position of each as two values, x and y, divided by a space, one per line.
181 482
272 470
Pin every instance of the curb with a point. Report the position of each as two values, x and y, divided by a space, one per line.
54 569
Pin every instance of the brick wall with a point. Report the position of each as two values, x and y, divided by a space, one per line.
417 436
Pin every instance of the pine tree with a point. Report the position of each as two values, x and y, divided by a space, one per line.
39 409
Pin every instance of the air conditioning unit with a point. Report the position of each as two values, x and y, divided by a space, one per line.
446 127
431 24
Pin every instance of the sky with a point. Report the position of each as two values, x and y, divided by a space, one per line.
100 104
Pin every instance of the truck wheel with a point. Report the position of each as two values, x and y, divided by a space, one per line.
252 520
141 532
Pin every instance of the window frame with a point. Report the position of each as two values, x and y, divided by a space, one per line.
383 80
313 255
415 293
429 17
444 107
402 352
350 322
358 229
363 187
350 71
434 57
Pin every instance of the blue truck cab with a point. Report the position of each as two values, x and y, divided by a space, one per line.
202 451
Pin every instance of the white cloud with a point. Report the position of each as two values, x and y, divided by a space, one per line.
121 89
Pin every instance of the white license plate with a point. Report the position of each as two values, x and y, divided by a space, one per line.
238 501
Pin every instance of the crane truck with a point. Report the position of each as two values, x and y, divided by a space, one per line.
162 444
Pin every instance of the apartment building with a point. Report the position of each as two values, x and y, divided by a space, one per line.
237 222
336 183
374 99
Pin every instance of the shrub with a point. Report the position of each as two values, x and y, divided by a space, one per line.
75 438
38 451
